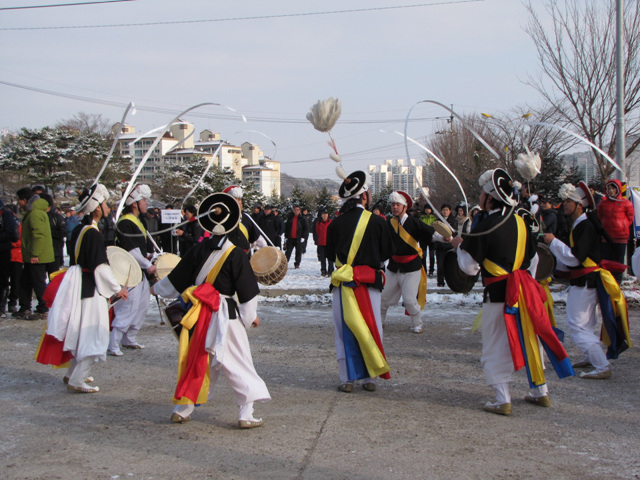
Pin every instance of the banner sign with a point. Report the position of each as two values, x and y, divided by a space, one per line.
170 216
635 199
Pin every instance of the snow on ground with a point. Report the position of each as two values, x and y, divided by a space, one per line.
308 278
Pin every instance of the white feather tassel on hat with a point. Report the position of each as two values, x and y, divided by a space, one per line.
528 165
340 172
566 191
324 114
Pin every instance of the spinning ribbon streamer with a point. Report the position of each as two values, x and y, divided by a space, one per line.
163 130
582 139
115 140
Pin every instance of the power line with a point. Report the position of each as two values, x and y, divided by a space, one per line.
169 111
257 17
63 5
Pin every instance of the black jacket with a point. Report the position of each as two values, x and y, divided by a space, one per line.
302 228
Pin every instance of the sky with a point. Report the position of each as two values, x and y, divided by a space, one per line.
269 61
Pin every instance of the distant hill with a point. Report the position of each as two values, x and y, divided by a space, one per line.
287 182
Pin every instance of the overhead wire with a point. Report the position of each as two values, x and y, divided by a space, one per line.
255 17
164 110
56 5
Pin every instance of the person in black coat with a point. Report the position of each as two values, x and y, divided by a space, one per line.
547 216
190 233
9 233
280 224
270 225
296 233
442 247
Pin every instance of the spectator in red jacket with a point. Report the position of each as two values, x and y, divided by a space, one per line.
320 238
616 215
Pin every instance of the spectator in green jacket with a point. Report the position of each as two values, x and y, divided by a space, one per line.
37 251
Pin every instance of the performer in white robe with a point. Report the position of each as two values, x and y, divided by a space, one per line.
222 270
79 316
132 236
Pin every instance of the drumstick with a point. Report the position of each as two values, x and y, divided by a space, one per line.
126 285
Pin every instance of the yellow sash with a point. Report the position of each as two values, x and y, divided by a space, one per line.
548 304
136 221
244 230
413 243
373 358
188 322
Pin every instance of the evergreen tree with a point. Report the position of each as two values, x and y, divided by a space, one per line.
298 197
381 199
551 177
324 199
60 157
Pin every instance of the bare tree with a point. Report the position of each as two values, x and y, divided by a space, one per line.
87 123
508 135
464 155
577 58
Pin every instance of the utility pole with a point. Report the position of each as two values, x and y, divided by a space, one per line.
620 148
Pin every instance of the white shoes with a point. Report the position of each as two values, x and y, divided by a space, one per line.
115 353
416 329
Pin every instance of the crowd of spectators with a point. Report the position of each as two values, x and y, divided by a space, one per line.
33 233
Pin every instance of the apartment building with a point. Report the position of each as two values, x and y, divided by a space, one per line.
247 162
397 175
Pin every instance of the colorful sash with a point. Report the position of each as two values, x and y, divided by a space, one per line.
408 239
362 342
193 359
526 318
614 332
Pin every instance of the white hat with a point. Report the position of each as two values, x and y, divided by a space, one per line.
401 197
234 190
92 198
138 193
580 194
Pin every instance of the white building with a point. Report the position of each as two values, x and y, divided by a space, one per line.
179 145
394 174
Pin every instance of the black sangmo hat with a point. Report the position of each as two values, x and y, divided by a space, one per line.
503 185
353 185
219 213
530 219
